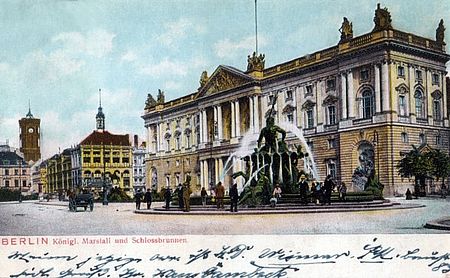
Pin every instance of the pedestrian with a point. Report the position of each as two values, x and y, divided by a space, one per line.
220 193
148 198
303 186
234 197
276 195
342 191
138 199
317 189
443 191
186 194
168 197
328 186
179 191
204 195
408 194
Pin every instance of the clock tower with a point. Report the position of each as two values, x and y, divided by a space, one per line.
30 137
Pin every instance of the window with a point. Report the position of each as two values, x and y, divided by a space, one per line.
198 136
364 75
309 119
331 84
418 75
24 183
290 117
404 137
125 160
16 183
168 145
288 95
420 107
106 159
402 105
331 168
309 90
167 181
188 140
116 160
422 139
367 104
16 172
438 139
270 99
177 142
6 172
6 183
332 143
435 79
332 115
437 109
310 145
401 71
86 159
96 159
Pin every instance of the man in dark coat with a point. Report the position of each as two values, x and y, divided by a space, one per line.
220 194
303 186
148 198
187 194
234 197
168 197
328 186
138 197
179 191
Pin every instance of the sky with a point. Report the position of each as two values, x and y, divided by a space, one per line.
57 54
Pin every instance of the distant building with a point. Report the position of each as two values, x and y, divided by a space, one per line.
14 170
360 105
59 173
138 151
30 141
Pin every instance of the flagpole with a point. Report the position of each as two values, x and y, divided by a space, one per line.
256 26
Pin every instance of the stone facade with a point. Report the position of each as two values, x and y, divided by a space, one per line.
363 102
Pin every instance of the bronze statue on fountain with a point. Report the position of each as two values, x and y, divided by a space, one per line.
270 162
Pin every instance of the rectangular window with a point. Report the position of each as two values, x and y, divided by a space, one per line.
309 89
16 183
86 159
331 115
404 137
402 105
188 141
437 110
401 71
6 183
16 172
435 79
125 160
418 75
288 95
290 117
331 84
270 99
310 145
332 143
331 169
364 75
96 159
116 160
309 119
24 183
438 140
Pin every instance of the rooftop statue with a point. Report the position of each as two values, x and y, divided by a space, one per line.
204 78
150 102
255 62
161 98
382 19
346 30
440 32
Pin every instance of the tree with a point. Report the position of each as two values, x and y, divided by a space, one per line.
418 165
441 165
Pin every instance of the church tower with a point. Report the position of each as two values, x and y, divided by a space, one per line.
100 117
30 137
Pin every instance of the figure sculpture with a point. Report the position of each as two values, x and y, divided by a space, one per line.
382 19
346 30
440 32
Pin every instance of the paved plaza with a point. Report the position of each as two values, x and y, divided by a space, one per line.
54 219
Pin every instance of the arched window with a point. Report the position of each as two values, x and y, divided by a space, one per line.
420 105
367 104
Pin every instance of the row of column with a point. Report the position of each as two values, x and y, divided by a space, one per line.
235 119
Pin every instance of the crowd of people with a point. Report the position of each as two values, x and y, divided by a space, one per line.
317 192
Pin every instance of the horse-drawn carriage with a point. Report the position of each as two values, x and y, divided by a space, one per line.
84 200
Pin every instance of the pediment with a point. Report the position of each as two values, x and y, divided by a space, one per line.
224 78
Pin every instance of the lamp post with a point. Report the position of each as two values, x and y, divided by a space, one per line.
375 143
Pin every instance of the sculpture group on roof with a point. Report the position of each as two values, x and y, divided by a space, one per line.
255 62
151 102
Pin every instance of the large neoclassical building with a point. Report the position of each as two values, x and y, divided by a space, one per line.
360 103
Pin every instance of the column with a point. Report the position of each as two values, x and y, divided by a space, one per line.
205 174
160 137
411 98
238 119
150 139
444 93
385 86
220 166
377 89
202 174
205 126
428 91
256 111
216 170
201 127
320 109
233 120
351 95
220 122
251 109
344 95
215 120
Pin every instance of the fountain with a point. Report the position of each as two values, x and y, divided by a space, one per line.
270 162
